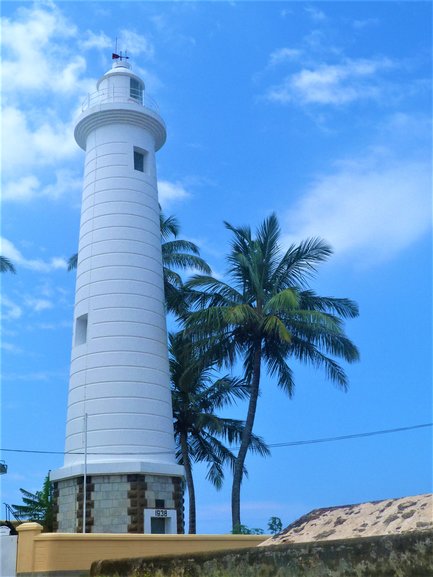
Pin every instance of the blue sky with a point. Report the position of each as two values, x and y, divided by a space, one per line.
320 112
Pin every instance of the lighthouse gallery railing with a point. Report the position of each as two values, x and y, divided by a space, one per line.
120 95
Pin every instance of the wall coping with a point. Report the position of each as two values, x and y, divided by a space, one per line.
30 526
145 536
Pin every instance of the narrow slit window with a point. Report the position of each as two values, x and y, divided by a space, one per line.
81 330
140 160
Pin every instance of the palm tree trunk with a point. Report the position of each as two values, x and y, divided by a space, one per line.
189 483
246 439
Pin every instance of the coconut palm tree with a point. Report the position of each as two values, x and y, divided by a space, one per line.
6 265
176 254
266 314
200 434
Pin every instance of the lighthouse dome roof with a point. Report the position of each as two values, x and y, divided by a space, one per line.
120 69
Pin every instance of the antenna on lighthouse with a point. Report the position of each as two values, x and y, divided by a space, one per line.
116 55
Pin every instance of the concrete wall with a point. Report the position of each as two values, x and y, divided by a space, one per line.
8 555
404 555
71 554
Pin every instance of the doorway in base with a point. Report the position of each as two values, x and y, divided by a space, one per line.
160 521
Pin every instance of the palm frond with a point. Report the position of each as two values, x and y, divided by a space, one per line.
268 235
285 300
73 262
300 262
345 308
274 327
308 353
6 265
212 286
277 366
179 246
259 446
169 226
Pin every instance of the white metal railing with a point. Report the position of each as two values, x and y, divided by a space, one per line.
119 95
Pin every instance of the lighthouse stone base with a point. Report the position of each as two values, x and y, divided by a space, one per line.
124 503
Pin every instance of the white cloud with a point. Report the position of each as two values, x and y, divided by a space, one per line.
25 146
315 14
100 41
67 183
334 84
286 12
135 44
27 149
34 49
38 305
10 310
284 55
374 207
40 60
10 348
360 24
171 191
22 189
8 250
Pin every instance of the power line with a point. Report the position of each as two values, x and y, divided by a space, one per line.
40 452
354 436
273 445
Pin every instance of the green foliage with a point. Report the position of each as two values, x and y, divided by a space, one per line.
264 314
37 506
6 265
240 529
181 255
201 435
73 262
275 525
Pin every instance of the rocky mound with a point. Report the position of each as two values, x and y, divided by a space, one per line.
390 516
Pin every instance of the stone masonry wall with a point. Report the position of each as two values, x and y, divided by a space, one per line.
115 503
145 490
65 505
110 504
402 555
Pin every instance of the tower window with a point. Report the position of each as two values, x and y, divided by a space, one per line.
140 158
135 89
81 330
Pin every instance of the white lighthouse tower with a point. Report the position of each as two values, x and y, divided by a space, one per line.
120 473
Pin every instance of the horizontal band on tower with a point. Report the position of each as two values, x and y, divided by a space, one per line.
120 113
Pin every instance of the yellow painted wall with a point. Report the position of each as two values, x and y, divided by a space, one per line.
44 552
